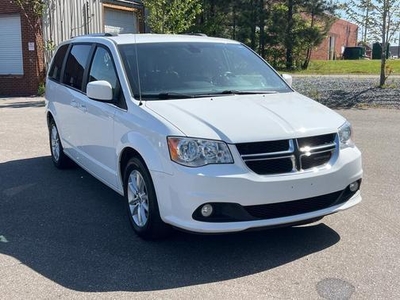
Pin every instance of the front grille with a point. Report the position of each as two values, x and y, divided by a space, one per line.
315 141
286 156
285 209
263 147
302 206
271 166
315 159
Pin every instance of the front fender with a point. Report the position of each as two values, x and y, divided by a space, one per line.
154 152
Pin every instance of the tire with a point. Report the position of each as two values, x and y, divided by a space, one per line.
60 160
141 202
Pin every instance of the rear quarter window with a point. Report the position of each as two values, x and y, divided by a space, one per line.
75 67
56 66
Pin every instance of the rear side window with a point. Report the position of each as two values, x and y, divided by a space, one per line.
75 66
55 69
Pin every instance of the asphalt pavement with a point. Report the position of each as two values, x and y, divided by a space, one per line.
65 235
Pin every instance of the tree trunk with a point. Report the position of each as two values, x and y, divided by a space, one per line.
253 26
307 60
212 15
234 20
262 29
382 78
309 49
289 33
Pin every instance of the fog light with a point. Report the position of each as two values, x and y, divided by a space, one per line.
206 210
354 186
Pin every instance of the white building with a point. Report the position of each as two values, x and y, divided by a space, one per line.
64 19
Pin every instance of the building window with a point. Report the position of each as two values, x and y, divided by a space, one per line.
11 62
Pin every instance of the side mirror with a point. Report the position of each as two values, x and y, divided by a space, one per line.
99 90
288 78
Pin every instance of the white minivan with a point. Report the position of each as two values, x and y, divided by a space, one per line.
197 133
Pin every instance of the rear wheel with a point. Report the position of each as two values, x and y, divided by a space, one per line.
58 156
141 201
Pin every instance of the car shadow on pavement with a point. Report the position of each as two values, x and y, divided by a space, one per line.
71 229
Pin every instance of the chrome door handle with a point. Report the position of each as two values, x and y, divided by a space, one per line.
83 108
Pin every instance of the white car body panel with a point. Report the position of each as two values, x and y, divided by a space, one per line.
187 189
96 143
266 117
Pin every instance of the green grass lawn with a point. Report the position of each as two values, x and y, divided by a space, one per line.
362 67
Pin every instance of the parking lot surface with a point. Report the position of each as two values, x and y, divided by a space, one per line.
64 235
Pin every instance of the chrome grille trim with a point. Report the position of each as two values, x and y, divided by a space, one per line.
303 158
271 154
323 147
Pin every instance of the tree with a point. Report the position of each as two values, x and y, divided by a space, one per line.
289 40
320 17
384 22
33 11
358 11
283 31
217 18
172 16
275 35
308 22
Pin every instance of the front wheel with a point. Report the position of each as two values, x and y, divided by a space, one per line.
141 200
58 156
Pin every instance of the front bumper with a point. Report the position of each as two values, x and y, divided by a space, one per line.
182 194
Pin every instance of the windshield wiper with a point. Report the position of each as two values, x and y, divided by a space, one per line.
174 95
237 92
166 96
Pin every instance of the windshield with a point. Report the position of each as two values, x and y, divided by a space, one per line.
184 70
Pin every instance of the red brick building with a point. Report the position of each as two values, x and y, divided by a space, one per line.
23 35
21 51
342 34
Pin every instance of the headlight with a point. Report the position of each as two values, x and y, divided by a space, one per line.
193 152
345 132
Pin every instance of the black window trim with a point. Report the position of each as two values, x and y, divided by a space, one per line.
86 66
85 78
64 62
121 100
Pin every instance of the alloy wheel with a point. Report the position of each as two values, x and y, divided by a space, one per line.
138 198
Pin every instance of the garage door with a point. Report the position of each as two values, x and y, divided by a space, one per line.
10 46
119 21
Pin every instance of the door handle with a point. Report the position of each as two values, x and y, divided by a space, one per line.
74 103
83 108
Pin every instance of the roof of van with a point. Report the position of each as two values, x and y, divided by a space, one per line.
156 38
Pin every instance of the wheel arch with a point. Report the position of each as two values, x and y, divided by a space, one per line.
49 118
134 145
126 155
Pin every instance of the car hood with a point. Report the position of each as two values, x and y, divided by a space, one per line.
245 118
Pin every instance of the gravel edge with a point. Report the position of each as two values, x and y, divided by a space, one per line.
344 92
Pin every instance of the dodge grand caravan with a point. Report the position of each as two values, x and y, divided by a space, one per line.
197 133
